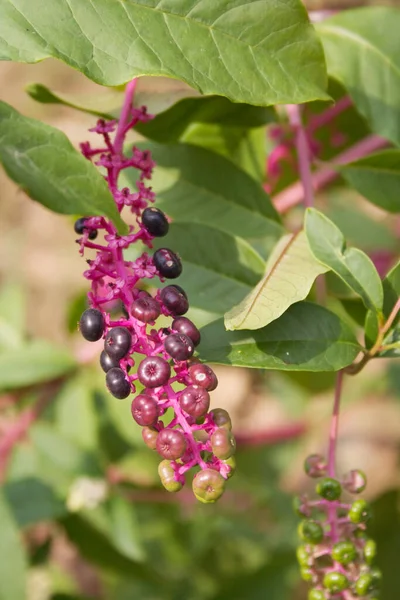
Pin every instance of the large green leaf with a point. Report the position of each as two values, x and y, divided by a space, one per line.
35 362
290 272
194 185
45 164
32 501
169 125
261 51
361 48
12 556
328 245
306 337
377 177
218 269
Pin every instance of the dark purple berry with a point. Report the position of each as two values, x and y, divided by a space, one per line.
223 443
171 444
185 326
149 436
117 384
204 376
145 309
167 263
154 372
155 221
80 226
107 362
117 343
195 400
91 324
174 300
144 410
179 346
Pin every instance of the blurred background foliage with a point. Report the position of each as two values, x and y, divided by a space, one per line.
82 513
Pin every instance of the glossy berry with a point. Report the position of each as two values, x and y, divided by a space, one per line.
107 362
355 481
144 410
376 575
116 383
91 325
231 462
303 556
204 376
195 401
79 228
171 444
167 476
329 488
117 343
344 553
154 371
149 436
155 221
316 595
359 512
311 531
185 326
315 465
223 443
221 418
306 574
336 582
208 485
364 585
369 551
145 309
167 263
174 300
179 346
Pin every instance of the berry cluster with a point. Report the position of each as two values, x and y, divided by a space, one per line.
336 556
168 375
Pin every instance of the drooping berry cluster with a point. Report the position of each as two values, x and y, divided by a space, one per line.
168 375
336 556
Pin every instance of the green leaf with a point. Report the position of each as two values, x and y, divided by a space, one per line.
36 362
260 52
194 185
169 125
377 178
12 316
44 163
362 53
76 398
306 337
350 264
290 272
125 528
33 501
12 557
218 269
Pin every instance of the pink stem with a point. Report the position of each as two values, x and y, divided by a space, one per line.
303 153
329 114
294 194
125 116
334 426
271 436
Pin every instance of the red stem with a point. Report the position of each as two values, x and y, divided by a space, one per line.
271 436
303 153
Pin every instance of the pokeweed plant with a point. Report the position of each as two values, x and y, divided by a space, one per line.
281 292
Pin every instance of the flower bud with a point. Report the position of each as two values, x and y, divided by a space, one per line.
355 481
315 465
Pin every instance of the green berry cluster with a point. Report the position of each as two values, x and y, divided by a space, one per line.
336 557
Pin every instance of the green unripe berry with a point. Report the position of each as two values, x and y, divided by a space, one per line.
208 485
311 532
364 585
315 465
336 582
167 476
370 551
359 512
376 575
303 555
329 488
306 574
316 595
223 443
355 481
231 462
344 553
300 507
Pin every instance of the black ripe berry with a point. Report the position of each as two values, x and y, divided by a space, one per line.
174 299
117 343
179 346
80 226
107 362
167 263
145 309
155 221
185 326
116 383
91 324
154 371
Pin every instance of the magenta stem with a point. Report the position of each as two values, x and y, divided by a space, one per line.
303 153
125 116
334 426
